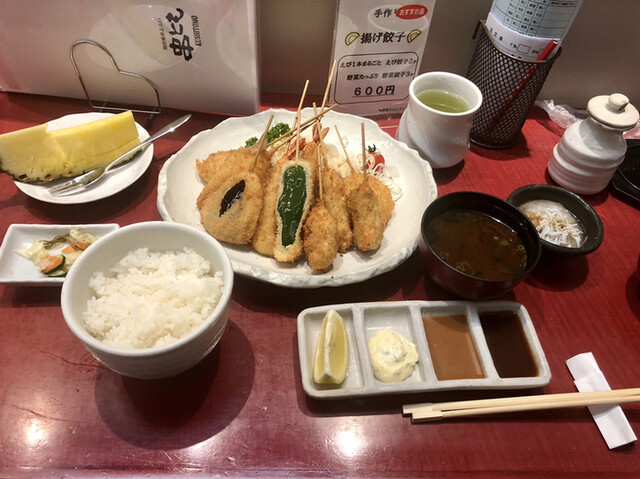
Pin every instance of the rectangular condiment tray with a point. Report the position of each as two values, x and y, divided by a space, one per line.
363 320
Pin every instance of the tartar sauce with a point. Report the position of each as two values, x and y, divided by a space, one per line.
393 356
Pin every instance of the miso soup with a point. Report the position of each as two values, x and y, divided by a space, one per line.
477 244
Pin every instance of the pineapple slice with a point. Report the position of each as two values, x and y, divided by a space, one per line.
35 154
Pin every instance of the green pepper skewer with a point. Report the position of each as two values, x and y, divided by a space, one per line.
291 202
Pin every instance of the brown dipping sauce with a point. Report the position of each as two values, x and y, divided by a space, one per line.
508 344
452 349
476 244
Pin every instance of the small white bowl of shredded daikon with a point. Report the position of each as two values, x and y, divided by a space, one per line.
568 226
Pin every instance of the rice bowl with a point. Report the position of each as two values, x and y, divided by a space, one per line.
150 298
151 243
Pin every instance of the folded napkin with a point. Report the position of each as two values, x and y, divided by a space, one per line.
611 421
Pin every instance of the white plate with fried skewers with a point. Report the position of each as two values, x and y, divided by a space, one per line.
409 178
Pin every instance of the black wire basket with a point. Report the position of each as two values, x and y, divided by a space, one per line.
509 89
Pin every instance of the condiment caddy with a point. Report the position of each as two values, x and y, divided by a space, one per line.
407 318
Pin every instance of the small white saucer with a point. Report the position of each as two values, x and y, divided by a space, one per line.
20 271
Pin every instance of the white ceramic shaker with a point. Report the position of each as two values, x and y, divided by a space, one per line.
586 158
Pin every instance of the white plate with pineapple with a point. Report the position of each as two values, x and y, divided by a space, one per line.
179 184
117 180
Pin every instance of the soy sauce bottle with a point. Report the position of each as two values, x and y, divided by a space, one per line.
590 151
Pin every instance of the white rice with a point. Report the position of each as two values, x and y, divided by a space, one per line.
150 299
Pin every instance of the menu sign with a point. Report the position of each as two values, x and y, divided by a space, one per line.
378 50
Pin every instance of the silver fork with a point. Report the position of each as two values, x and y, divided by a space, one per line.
92 176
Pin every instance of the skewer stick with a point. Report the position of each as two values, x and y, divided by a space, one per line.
295 128
322 162
344 148
325 163
304 93
306 124
261 142
321 159
315 130
320 138
436 411
364 154
326 91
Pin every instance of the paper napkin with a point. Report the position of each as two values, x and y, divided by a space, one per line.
611 421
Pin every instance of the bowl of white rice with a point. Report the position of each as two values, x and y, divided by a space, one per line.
151 299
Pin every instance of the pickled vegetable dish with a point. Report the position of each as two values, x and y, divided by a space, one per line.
54 257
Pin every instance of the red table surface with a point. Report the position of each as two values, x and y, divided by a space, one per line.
242 411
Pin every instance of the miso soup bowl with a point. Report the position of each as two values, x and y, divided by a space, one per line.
162 361
463 284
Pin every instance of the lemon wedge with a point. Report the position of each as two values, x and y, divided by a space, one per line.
331 359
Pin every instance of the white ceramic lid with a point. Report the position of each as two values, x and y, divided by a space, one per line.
613 110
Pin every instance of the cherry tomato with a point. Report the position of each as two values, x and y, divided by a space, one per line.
378 159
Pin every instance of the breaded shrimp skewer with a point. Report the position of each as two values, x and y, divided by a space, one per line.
320 230
335 199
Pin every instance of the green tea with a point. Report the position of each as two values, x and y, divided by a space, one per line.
443 100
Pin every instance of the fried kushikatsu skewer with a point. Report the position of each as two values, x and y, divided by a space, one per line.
219 166
366 214
320 232
335 199
265 234
294 198
354 180
230 207
321 227
264 239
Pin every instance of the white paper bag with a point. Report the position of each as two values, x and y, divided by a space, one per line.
200 54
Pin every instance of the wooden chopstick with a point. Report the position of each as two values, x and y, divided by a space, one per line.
436 411
448 406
